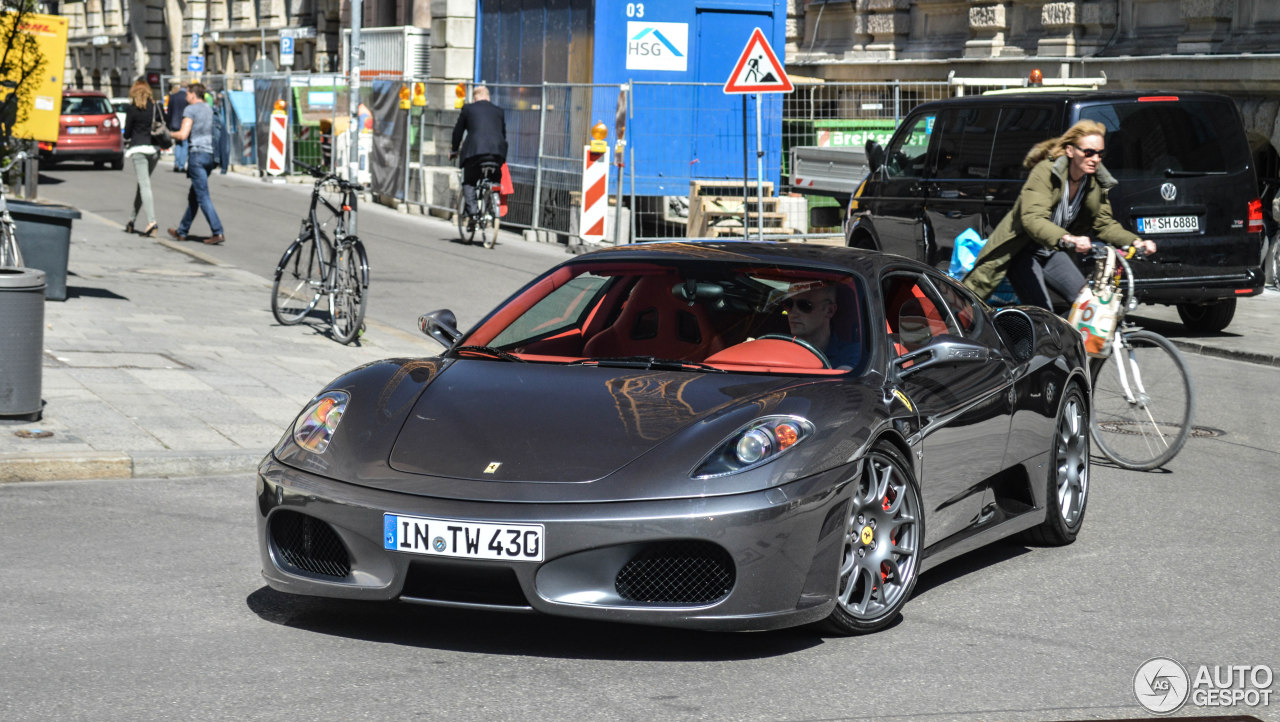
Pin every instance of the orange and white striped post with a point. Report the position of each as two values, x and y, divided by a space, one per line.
276 140
595 186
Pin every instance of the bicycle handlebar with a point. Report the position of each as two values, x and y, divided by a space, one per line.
322 176
13 159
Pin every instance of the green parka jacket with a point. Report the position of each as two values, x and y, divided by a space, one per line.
1031 219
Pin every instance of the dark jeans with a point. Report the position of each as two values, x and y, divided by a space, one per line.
471 175
198 166
179 155
1037 269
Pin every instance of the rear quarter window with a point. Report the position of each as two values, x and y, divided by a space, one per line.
1147 139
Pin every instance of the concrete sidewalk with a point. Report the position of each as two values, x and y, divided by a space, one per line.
164 363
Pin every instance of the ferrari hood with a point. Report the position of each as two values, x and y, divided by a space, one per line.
496 421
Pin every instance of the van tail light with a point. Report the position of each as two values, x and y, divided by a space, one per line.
1255 216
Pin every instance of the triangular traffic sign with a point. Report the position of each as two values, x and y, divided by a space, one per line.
758 69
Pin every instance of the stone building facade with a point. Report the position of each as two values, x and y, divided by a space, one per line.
112 42
1225 46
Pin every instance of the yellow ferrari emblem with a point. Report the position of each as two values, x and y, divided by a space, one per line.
867 535
905 401
492 467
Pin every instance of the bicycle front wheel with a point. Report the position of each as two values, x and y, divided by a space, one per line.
466 229
351 281
489 219
298 282
1149 430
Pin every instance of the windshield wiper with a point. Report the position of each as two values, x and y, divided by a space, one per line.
489 351
1171 173
649 362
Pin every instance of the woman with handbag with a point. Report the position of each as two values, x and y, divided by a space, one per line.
1063 203
139 123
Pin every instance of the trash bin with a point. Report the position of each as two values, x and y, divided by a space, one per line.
44 235
21 341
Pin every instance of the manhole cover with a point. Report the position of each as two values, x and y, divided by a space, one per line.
172 272
1169 430
32 434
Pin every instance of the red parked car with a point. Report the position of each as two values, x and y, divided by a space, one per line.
88 129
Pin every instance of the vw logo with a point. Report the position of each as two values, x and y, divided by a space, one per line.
1168 191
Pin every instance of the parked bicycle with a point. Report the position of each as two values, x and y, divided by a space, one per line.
10 252
324 261
1142 393
486 218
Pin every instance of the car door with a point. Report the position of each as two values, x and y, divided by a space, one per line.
954 196
894 194
964 406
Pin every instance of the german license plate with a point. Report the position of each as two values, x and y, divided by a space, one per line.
1168 224
82 129
463 539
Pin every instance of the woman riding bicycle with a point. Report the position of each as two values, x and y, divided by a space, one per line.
1063 203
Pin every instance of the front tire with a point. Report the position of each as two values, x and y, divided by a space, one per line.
1068 492
1207 317
1151 430
883 538
347 303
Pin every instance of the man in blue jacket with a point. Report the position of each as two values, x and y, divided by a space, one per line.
173 116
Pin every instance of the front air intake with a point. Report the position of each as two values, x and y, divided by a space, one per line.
680 572
304 543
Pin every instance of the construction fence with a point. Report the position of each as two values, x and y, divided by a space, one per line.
683 142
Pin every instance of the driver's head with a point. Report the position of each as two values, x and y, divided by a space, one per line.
809 307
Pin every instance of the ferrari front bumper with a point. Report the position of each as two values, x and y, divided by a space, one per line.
751 561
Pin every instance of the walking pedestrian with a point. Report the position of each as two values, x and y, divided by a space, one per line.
197 130
177 106
138 118
1063 200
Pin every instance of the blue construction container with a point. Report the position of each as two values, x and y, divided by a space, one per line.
679 131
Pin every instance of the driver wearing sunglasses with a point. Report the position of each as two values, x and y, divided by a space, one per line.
810 308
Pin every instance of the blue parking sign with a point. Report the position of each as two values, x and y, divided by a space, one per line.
195 63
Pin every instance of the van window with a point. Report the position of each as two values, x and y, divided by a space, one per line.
1019 129
964 141
906 156
1146 139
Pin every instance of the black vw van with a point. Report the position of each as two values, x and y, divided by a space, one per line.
1182 161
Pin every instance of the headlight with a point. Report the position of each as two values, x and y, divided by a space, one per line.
314 428
756 443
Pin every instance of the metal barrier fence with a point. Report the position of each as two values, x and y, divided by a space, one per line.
681 139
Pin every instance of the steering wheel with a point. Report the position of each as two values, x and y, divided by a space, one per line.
826 364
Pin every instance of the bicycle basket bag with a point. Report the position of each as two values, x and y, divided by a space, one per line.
1096 310
161 137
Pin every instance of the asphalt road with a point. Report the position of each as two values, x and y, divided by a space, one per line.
417 264
142 599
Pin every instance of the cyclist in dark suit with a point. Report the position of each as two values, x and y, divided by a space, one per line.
485 129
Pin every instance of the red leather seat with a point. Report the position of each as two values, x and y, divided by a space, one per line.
653 322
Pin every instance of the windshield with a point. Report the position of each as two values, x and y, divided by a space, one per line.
1151 140
704 317
86 105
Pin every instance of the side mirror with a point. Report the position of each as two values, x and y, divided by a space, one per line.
826 217
942 350
875 155
441 325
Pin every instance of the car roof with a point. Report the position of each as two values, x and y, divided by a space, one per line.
833 258
1066 97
